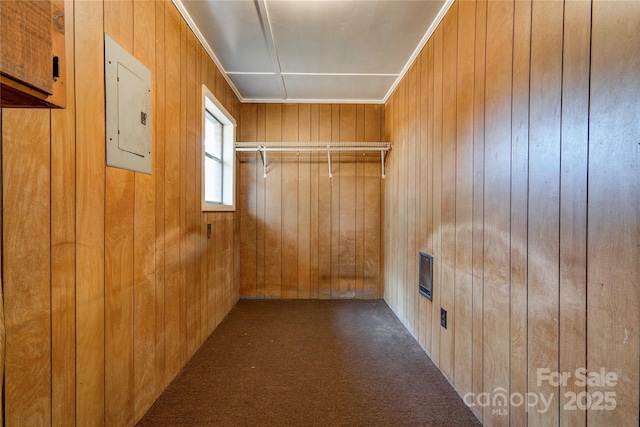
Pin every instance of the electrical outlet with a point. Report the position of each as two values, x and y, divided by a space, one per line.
443 317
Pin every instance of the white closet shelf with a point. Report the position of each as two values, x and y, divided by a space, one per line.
316 147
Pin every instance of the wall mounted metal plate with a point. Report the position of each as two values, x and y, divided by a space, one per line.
128 108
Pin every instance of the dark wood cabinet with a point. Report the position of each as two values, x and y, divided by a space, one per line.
32 42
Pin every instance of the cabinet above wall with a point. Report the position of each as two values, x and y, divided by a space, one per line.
32 54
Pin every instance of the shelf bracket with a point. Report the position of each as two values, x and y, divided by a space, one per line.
329 160
383 159
263 154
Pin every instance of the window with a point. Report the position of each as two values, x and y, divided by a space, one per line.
218 156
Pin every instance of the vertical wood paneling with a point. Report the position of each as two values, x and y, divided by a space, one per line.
347 206
90 214
411 267
324 208
304 207
273 206
159 172
204 270
427 172
497 200
119 212
63 254
449 146
111 244
27 266
190 196
464 198
247 204
613 307
573 199
119 298
360 161
260 207
437 193
182 350
314 207
544 216
172 196
372 249
335 205
540 120
401 209
327 229
478 203
289 204
199 233
519 183
212 281
144 234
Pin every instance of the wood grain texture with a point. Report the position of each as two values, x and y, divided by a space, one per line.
437 192
478 204
537 108
204 273
613 308
273 206
347 206
260 207
90 193
449 229
304 207
463 356
115 323
314 213
411 267
159 171
372 251
172 197
334 232
63 254
325 216
519 200
544 217
26 41
247 205
360 162
400 270
193 101
119 228
573 198
144 31
289 214
329 242
427 186
182 350
27 266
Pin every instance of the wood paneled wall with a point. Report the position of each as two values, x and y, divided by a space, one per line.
515 115
110 282
303 234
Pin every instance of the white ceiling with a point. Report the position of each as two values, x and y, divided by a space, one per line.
313 50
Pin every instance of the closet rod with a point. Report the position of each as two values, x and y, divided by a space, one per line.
261 148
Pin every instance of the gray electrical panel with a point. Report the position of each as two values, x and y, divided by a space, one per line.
128 108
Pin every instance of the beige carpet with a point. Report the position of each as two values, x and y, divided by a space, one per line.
310 363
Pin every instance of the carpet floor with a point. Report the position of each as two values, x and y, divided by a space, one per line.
310 363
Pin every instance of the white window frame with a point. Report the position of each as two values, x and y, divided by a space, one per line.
210 103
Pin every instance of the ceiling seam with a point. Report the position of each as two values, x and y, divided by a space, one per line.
272 40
